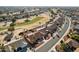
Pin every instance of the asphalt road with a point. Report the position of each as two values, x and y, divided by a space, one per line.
52 42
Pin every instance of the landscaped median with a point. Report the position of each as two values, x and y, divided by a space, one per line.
23 24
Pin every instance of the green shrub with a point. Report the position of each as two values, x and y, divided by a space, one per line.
12 24
27 20
11 28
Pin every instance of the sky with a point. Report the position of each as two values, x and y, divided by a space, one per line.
39 2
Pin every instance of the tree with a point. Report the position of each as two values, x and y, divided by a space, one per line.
40 23
75 23
27 15
7 13
62 44
59 11
65 47
1 12
75 37
36 14
11 28
2 48
22 11
13 20
27 20
51 11
12 24
11 12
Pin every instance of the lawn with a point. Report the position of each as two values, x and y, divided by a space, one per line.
75 36
24 23
3 28
30 22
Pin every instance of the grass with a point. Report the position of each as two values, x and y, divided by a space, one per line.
30 22
24 23
3 28
74 36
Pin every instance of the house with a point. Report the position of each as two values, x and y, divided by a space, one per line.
73 43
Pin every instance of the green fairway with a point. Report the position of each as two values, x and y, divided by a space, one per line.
24 23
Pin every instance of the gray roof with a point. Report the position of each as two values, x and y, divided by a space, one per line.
73 43
77 26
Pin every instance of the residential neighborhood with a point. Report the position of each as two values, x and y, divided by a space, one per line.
39 29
